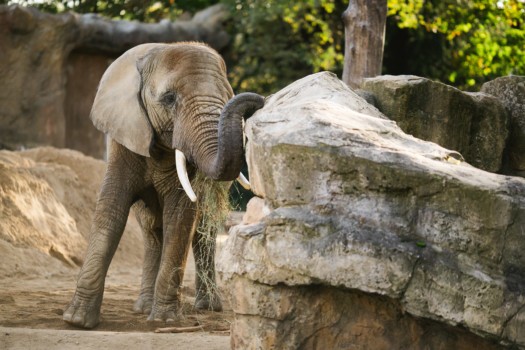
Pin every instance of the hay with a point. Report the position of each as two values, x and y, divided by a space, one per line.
213 207
213 204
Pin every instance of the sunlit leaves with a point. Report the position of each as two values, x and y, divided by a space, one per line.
462 42
142 10
484 38
407 12
279 41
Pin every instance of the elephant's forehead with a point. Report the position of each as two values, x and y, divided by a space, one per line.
188 57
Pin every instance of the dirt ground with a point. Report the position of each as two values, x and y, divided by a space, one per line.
47 200
31 310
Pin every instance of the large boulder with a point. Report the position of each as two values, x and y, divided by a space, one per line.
474 124
511 91
374 239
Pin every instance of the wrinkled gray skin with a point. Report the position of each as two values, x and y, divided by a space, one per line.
152 100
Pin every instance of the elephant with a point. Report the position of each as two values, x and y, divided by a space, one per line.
173 124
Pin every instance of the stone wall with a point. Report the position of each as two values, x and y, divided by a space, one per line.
83 73
374 239
51 65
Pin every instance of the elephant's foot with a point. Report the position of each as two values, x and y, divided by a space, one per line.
208 301
83 311
143 304
167 313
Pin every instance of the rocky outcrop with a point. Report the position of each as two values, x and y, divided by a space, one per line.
511 92
375 239
474 124
51 66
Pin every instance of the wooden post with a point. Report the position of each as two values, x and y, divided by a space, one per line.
364 22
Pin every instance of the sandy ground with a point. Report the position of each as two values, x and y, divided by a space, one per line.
23 339
47 200
31 310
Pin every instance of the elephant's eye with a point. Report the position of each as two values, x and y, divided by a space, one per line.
168 99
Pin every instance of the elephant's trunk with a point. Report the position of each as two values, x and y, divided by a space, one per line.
221 157
225 163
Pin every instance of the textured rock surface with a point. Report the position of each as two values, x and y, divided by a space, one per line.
367 211
474 124
321 317
255 211
511 91
51 65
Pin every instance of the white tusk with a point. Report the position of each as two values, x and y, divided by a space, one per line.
244 182
182 173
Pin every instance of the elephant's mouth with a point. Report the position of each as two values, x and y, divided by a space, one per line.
182 173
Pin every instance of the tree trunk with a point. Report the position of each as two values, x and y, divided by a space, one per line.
365 22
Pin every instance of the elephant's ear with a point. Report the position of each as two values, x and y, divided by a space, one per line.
117 109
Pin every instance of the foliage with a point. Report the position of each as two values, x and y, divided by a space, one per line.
277 42
141 10
480 39
460 42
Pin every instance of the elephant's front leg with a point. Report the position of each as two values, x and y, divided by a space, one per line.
149 216
110 218
179 224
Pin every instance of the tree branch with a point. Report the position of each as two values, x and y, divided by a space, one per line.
101 34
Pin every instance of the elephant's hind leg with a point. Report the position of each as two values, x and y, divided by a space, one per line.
179 224
149 216
207 295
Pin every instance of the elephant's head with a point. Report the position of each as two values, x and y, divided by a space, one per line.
160 96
